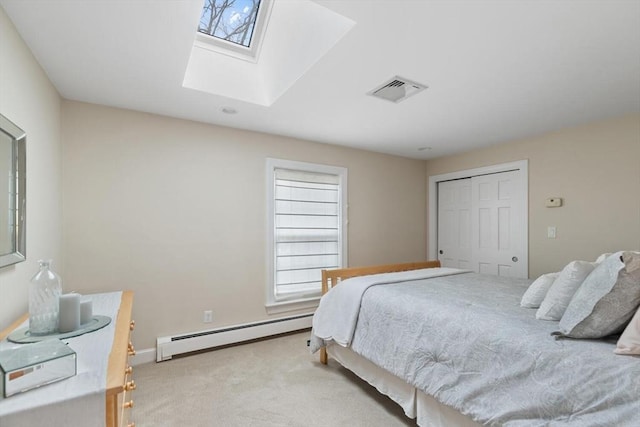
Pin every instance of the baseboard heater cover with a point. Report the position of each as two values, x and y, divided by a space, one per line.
167 347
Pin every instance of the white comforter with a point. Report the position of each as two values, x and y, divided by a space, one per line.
336 317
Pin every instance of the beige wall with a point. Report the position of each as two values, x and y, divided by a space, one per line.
595 168
29 100
176 211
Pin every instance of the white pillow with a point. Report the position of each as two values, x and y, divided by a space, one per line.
629 342
536 292
602 257
563 288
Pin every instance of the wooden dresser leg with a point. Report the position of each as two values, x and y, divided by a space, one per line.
323 355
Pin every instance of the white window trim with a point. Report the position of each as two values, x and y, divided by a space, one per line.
272 305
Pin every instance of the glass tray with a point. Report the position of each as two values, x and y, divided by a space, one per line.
23 335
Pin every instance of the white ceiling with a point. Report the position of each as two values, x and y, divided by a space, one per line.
497 70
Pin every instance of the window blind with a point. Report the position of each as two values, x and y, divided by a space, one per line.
307 231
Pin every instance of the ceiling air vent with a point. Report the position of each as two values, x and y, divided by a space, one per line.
397 89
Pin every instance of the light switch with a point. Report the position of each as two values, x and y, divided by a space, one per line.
551 232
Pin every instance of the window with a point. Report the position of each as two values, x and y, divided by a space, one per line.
233 27
230 20
307 233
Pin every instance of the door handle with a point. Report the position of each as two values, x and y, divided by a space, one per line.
441 252
514 259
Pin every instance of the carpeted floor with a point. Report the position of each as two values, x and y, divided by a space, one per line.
275 382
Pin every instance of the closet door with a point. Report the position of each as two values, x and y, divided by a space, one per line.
454 223
497 224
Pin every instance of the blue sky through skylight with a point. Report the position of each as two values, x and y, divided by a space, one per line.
230 20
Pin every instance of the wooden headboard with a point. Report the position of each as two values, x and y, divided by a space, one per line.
330 278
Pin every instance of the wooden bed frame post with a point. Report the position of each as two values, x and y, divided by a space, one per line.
331 278
324 358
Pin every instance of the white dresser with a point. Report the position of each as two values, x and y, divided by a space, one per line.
100 392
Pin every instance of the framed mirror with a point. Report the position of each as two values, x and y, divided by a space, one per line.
13 201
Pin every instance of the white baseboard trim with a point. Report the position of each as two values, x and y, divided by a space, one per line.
178 344
146 355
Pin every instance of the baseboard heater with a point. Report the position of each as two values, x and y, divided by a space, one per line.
167 347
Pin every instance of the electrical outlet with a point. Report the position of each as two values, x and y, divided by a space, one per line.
207 317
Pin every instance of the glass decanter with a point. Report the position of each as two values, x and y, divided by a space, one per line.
44 291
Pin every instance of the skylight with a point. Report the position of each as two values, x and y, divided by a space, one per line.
230 20
289 37
234 28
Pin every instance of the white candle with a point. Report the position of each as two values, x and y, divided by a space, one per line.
86 311
69 312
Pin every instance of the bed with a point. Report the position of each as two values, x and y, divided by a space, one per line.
454 348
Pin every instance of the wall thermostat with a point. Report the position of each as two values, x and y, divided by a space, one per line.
553 202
